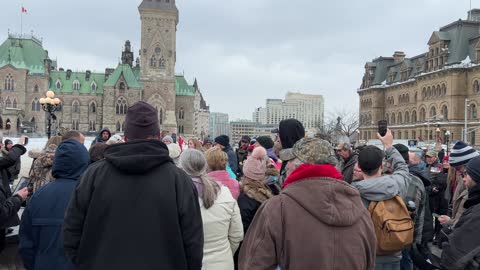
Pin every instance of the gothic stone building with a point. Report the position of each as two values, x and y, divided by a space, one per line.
424 96
91 101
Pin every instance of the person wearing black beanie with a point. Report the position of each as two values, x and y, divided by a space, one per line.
290 131
224 142
463 248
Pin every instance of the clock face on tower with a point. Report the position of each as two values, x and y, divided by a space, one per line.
158 50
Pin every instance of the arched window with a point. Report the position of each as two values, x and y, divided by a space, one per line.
414 117
444 90
153 62
121 106
433 112
445 112
93 87
8 103
407 98
399 134
415 97
93 107
399 119
121 86
423 114
429 92
76 85
161 63
407 118
9 83
75 107
424 93
392 121
387 117
473 111
118 127
181 114
476 87
35 105
35 88
14 103
58 84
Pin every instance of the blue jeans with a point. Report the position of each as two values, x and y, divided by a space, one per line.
406 263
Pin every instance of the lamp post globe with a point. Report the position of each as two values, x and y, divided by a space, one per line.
50 105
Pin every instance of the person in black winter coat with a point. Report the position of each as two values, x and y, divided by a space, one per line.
41 243
290 131
461 251
224 142
135 209
102 137
10 204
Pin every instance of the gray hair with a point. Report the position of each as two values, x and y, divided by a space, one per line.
193 162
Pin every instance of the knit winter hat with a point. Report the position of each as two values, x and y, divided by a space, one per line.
168 138
174 150
473 169
141 121
265 141
461 154
223 140
245 139
370 158
403 150
255 166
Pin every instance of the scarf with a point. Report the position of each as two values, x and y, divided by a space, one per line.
256 190
306 171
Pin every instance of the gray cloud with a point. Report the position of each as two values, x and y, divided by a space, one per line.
243 52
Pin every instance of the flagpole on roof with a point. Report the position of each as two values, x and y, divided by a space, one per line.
21 22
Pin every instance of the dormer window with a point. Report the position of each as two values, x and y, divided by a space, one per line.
76 85
121 86
58 84
94 87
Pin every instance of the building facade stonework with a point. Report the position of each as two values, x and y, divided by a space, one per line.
424 97
91 100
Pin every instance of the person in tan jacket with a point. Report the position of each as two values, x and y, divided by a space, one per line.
317 222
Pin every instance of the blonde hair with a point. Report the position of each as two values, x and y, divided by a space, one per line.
194 164
216 159
196 144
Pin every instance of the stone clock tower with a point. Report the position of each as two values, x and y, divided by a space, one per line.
158 57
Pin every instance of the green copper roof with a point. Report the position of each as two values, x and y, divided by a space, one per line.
131 76
67 85
182 87
23 53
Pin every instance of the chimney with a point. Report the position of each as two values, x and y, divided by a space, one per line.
87 75
474 15
69 74
398 57
108 72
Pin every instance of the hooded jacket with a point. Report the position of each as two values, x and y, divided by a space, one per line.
465 238
348 166
134 210
99 136
385 188
317 222
41 241
9 204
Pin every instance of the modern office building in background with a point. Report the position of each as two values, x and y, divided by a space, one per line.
307 108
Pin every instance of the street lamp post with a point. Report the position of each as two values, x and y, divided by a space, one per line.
50 104
466 121
447 139
440 116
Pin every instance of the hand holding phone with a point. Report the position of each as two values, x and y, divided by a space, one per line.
382 127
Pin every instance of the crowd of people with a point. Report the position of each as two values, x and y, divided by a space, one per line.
145 201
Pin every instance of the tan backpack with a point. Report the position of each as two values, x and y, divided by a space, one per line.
393 225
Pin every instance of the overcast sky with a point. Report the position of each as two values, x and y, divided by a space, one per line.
245 51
